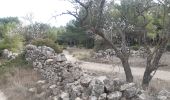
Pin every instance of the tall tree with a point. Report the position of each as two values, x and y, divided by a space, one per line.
160 13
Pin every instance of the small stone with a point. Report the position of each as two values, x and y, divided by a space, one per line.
52 86
85 81
103 96
97 87
109 85
114 96
64 96
102 78
55 98
41 82
92 98
48 61
78 98
33 90
130 92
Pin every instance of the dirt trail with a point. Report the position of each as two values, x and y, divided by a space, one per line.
164 75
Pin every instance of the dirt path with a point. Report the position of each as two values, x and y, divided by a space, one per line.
164 75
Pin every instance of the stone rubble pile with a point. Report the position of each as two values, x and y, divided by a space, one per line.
51 65
66 81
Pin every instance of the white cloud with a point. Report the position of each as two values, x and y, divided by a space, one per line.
43 10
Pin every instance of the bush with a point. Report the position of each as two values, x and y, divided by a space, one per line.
12 42
49 43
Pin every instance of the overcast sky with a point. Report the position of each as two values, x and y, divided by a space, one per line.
42 10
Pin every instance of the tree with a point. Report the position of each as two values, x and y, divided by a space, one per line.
99 24
8 25
162 28
35 31
113 22
74 35
10 37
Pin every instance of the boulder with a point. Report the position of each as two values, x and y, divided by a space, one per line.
85 81
130 92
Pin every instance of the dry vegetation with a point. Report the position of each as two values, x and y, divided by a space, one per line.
16 80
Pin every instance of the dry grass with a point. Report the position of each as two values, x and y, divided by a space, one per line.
81 54
15 84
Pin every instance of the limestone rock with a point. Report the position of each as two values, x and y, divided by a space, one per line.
126 86
130 92
64 96
103 96
114 96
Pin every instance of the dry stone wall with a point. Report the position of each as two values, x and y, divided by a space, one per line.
66 81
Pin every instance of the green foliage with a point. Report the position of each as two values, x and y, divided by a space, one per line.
47 42
74 35
55 33
8 24
14 43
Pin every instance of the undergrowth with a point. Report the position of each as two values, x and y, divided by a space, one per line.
9 65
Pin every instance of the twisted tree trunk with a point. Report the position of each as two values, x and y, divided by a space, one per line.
153 63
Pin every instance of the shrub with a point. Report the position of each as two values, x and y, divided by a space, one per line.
12 42
47 42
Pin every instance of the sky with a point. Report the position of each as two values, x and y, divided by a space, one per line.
41 10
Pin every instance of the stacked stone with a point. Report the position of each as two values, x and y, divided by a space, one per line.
109 53
66 81
139 53
51 65
101 88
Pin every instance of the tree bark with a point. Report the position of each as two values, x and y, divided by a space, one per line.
127 70
153 63
146 78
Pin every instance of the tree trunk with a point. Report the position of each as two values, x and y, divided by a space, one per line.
127 69
146 78
153 64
